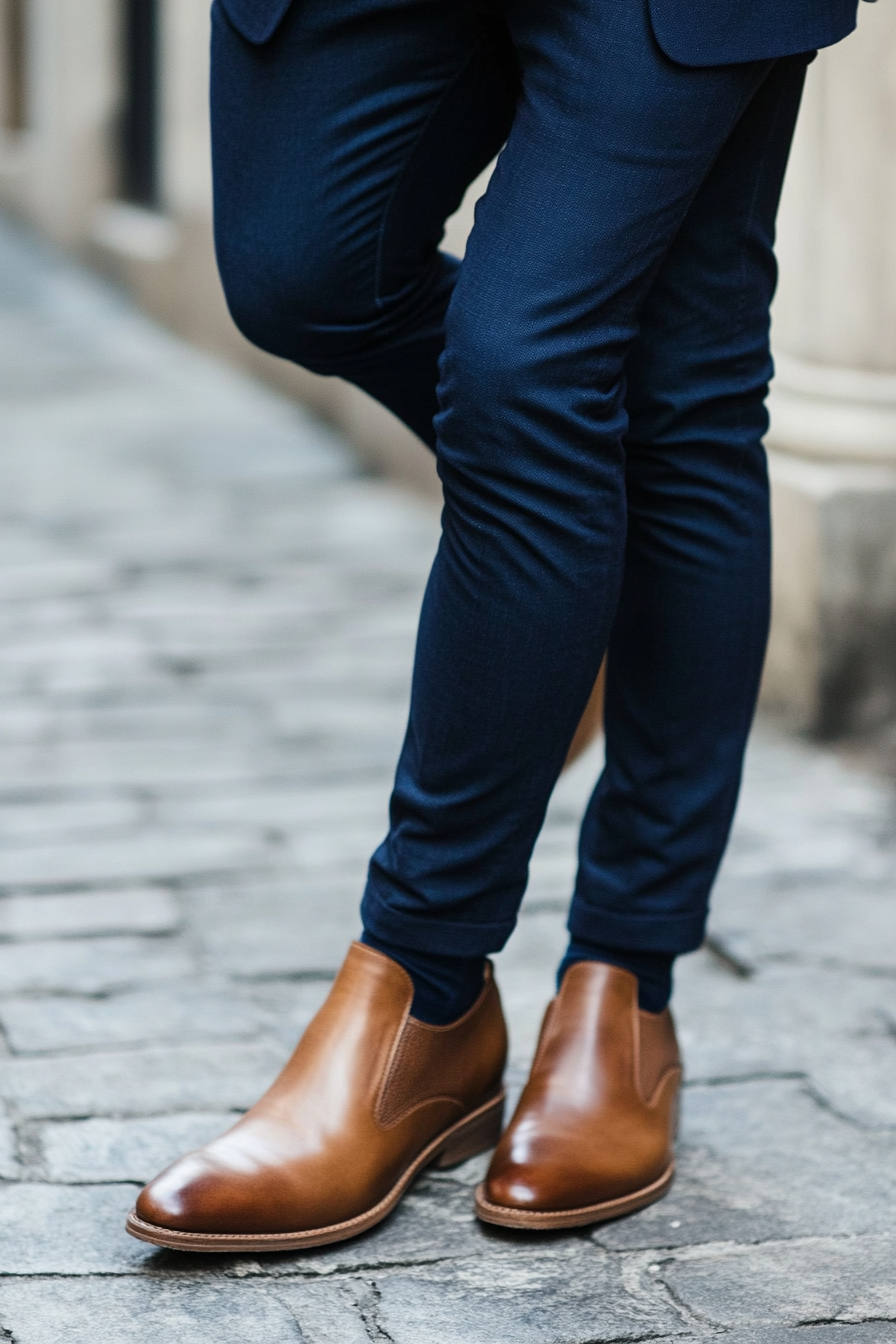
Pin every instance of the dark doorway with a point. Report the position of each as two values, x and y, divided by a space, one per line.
15 110
139 172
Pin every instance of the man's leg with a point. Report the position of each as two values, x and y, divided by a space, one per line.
689 637
608 152
334 168
593 1134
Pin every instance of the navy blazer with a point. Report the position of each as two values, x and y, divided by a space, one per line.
691 32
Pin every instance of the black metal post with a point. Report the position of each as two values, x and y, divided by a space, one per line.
15 108
139 180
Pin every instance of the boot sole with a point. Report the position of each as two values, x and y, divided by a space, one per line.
468 1137
532 1220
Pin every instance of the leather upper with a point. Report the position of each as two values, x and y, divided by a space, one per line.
367 1088
596 1119
691 32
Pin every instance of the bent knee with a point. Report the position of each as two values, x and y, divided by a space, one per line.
504 362
294 305
519 400
485 368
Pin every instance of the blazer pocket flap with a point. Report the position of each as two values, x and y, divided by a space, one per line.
257 20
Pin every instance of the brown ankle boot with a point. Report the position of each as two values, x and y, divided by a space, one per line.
370 1097
592 1136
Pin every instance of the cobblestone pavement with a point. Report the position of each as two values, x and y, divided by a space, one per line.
207 619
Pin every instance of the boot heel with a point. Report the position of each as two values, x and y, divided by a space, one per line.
474 1136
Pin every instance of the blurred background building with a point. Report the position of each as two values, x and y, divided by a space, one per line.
105 148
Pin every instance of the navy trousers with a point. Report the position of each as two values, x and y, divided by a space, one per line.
592 378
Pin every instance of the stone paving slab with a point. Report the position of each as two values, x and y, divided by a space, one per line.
826 1024
104 1150
558 1296
207 619
10 1169
144 910
133 1312
270 929
68 1230
819 1279
141 1081
872 1332
92 965
38 1025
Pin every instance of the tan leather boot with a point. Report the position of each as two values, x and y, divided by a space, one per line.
592 1136
370 1097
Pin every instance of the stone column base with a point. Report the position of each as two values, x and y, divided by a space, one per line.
832 653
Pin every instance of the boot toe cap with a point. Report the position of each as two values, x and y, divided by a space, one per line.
557 1183
178 1199
516 1187
199 1194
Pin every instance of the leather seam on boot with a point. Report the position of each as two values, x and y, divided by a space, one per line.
391 1121
636 1055
389 1068
385 1116
675 1071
